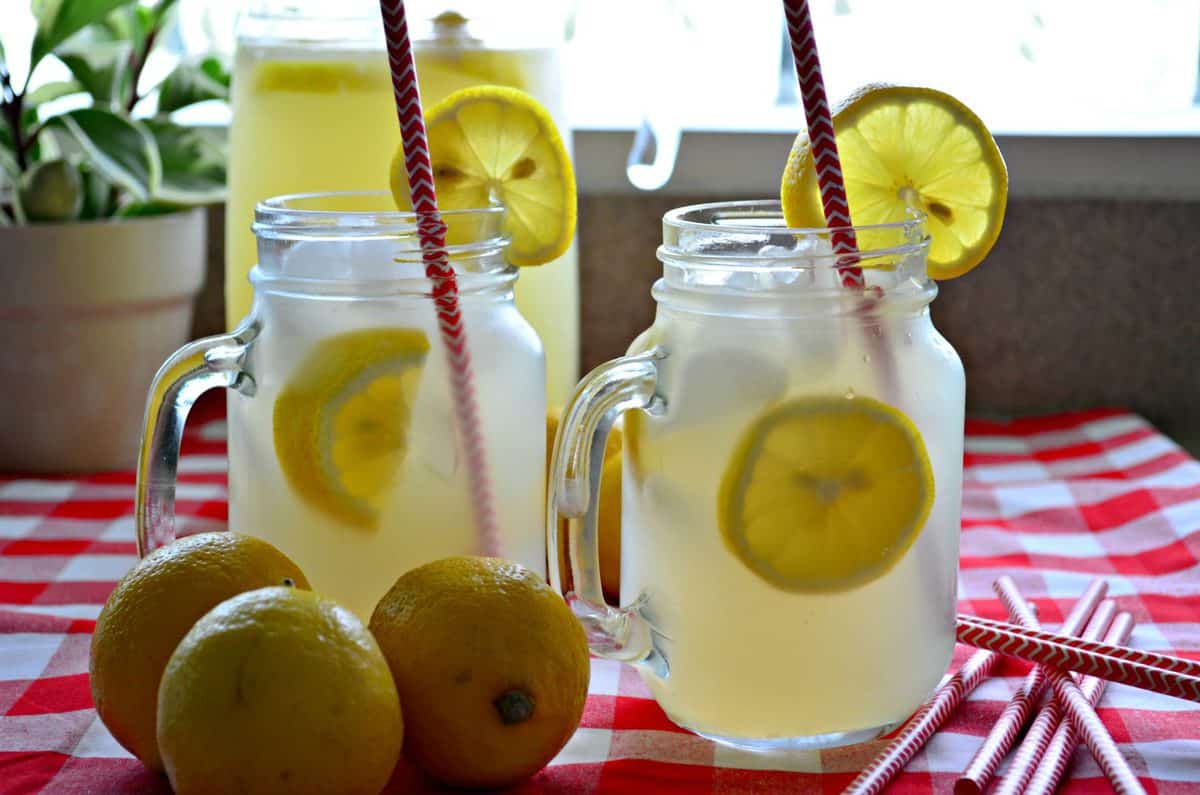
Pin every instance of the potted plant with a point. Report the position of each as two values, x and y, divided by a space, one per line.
102 241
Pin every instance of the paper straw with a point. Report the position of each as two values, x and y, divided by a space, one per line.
925 721
432 232
1012 719
923 724
1047 719
1077 708
824 146
1146 658
1058 753
1114 663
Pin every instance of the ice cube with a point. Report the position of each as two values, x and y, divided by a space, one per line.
713 382
356 260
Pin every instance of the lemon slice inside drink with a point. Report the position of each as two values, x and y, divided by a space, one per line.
497 143
825 494
341 423
903 148
317 77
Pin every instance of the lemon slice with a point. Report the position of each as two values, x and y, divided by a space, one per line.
904 147
825 494
341 423
318 77
493 142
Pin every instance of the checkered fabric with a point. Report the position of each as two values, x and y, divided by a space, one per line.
1053 501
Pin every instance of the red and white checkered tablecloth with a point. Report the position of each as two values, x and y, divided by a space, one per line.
1054 501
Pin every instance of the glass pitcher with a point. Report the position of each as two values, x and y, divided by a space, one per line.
792 484
313 111
342 448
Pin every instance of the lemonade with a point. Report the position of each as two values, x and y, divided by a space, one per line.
790 501
342 442
837 660
313 111
793 438
304 120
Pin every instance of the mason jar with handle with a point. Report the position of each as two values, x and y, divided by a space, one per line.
792 484
342 443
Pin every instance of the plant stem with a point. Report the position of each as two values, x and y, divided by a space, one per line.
13 110
137 62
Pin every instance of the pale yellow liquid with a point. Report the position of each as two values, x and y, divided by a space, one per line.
426 512
324 120
749 661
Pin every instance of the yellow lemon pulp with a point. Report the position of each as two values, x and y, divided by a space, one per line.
497 143
341 423
905 148
825 493
317 77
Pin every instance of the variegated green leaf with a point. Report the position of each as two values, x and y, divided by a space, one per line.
58 20
122 149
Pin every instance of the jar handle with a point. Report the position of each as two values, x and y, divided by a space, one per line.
187 374
575 469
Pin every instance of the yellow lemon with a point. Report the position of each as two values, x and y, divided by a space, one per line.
319 77
153 607
825 493
278 690
491 665
498 143
610 528
902 148
341 422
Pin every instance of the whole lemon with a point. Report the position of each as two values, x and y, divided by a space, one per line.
153 607
278 690
609 520
491 665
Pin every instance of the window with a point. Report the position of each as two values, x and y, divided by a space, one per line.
1067 84
1057 66
1027 66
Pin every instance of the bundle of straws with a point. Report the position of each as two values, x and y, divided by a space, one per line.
1075 664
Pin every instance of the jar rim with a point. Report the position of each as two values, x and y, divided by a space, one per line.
753 235
355 11
357 214
687 217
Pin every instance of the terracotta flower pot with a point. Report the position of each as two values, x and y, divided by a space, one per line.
87 314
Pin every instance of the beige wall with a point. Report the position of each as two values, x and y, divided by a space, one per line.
1081 304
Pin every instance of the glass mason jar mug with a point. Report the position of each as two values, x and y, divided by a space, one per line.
792 483
342 448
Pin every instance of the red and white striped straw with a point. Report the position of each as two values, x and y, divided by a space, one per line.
1040 731
923 724
824 146
1058 753
1012 719
432 232
1077 708
1149 659
926 721
1114 663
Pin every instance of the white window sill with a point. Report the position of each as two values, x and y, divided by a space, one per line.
1062 165
1070 150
